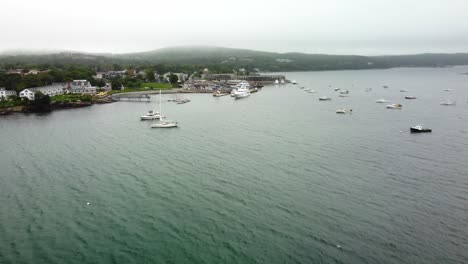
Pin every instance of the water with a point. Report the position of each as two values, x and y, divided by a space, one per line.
277 177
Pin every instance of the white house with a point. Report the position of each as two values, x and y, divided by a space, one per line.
6 93
28 93
50 90
82 87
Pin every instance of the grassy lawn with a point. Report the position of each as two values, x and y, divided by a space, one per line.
71 98
9 103
144 87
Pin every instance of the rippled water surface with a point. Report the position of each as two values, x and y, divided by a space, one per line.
277 177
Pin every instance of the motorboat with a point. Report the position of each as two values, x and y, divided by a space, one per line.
233 92
403 90
448 90
343 95
242 90
306 90
394 106
302 87
276 81
410 97
337 89
420 129
341 111
293 82
163 123
448 102
282 81
385 86
324 98
344 92
311 91
151 115
381 100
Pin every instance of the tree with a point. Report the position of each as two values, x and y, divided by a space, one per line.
149 75
116 83
173 79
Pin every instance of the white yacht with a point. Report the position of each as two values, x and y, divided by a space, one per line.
242 90
165 123
394 106
151 115
448 102
381 100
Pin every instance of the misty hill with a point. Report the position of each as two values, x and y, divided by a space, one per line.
226 59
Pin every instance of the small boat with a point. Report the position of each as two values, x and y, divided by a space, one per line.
165 123
302 87
368 89
394 106
293 82
337 89
306 90
448 90
381 100
420 129
344 92
385 86
151 115
448 102
311 91
343 95
282 81
276 81
403 90
410 97
324 98
341 111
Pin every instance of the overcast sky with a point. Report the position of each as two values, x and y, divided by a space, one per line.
368 27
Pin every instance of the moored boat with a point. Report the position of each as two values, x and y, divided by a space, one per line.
420 129
410 97
381 100
448 102
394 106
151 115
324 98
341 111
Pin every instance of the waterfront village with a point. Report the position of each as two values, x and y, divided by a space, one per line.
78 93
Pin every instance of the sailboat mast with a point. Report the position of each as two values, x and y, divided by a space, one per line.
160 113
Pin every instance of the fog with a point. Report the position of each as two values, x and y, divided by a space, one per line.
367 27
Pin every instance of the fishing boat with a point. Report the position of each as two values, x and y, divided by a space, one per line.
410 97
163 123
420 129
381 100
324 98
394 106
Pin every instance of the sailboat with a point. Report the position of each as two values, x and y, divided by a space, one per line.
151 115
163 123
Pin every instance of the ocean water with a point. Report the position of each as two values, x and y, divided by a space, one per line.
277 177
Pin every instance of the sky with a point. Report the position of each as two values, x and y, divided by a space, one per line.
364 27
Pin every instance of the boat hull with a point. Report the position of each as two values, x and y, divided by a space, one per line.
416 130
170 125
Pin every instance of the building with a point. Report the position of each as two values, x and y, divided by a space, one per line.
81 87
50 90
6 93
